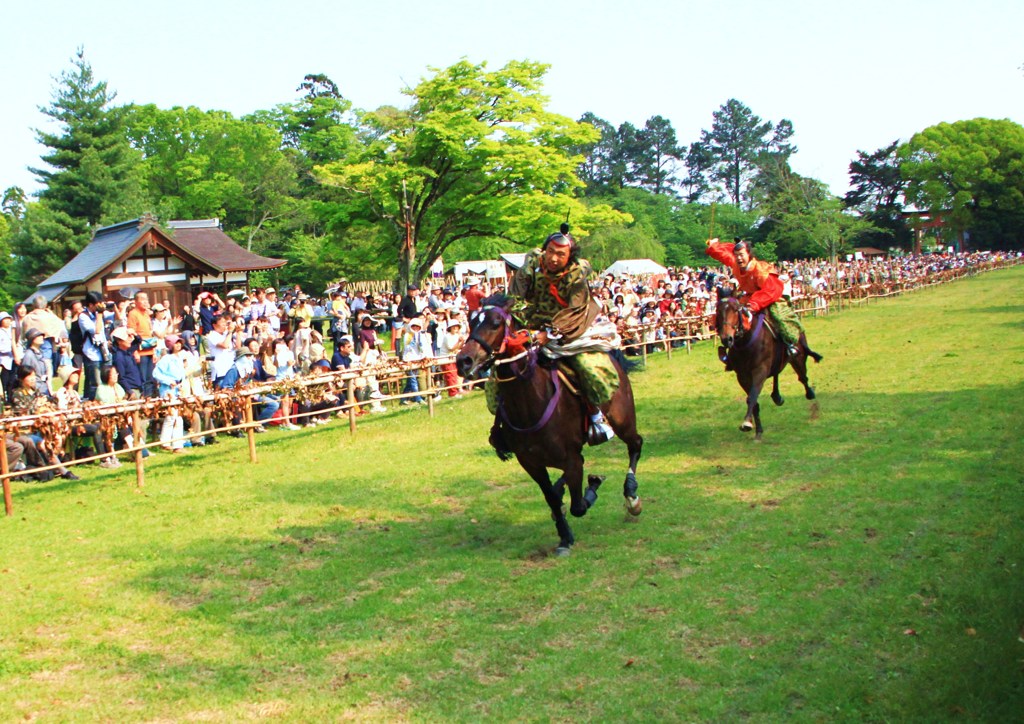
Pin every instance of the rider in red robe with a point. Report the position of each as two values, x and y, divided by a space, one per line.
760 288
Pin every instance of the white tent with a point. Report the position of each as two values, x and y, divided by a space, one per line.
636 266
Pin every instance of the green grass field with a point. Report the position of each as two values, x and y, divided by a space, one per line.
863 563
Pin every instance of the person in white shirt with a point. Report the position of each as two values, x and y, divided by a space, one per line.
220 344
416 346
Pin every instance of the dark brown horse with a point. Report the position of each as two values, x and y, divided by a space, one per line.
755 353
543 422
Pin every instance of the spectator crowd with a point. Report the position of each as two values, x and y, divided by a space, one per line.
112 350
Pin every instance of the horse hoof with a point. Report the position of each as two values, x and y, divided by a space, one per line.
746 426
779 402
562 551
810 393
633 506
757 437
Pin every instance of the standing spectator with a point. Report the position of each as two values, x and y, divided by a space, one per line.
449 344
10 355
35 358
416 346
94 342
51 326
125 360
139 322
473 294
220 344
74 332
210 305
20 312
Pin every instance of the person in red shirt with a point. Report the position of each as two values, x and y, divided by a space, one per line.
760 288
473 295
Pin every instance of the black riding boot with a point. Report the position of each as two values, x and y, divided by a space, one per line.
497 441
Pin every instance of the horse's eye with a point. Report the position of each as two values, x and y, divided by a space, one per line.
495 323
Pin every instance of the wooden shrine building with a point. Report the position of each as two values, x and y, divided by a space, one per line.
172 264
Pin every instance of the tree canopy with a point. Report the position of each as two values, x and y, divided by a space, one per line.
474 155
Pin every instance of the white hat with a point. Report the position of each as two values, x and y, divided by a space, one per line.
454 323
416 321
122 333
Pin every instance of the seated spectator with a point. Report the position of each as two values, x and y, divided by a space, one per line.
28 400
67 398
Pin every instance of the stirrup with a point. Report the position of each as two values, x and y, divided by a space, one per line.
599 431
792 350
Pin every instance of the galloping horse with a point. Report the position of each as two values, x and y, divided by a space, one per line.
756 353
543 423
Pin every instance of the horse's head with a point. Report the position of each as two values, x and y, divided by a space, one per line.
490 329
732 320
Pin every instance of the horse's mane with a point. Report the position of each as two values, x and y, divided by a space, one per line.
498 299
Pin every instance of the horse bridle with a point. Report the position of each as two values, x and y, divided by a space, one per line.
492 353
750 330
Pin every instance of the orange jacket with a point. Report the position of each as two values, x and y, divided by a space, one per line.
759 282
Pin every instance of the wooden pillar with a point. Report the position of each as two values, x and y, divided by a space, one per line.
5 470
250 430
350 397
430 389
139 438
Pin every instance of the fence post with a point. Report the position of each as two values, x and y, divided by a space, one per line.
250 431
430 389
139 438
350 397
5 470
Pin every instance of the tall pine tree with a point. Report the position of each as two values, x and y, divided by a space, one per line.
91 177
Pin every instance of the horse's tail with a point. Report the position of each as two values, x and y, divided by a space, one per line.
627 365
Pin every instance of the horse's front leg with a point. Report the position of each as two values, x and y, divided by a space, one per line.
752 385
573 477
553 496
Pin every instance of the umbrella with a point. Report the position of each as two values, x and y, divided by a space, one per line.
236 293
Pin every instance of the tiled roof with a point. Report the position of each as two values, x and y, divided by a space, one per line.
207 241
107 245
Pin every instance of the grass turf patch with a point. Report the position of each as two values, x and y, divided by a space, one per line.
862 562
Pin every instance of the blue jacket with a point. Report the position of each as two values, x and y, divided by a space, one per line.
128 374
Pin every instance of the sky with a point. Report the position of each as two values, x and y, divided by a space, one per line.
850 76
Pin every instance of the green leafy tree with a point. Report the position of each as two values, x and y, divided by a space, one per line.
659 155
972 172
203 164
595 171
737 145
90 178
802 219
475 155
877 189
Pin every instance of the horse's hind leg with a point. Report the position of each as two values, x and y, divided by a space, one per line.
776 395
629 488
800 367
758 430
553 497
808 351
